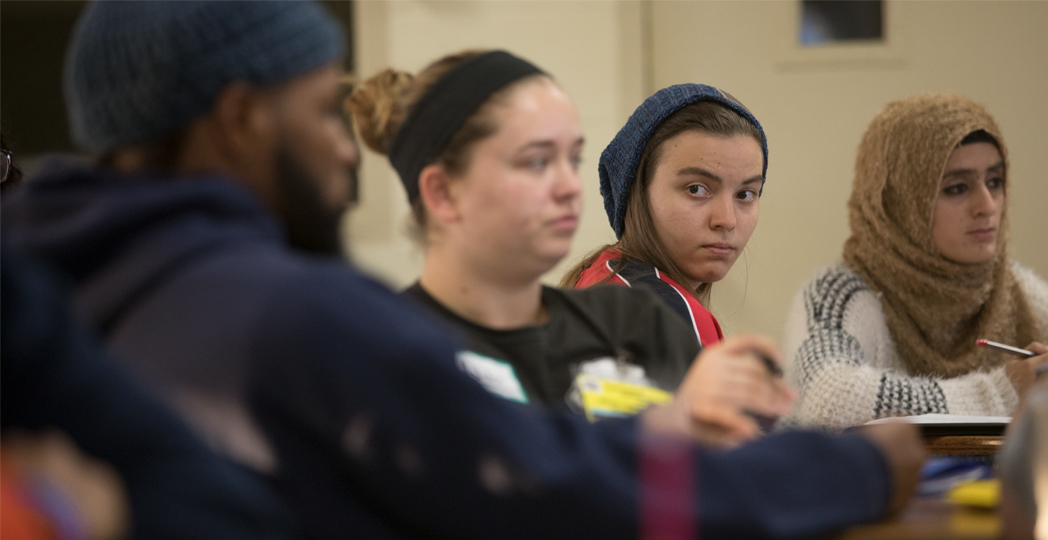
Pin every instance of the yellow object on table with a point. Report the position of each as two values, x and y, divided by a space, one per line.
980 494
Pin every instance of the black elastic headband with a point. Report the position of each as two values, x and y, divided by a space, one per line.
445 107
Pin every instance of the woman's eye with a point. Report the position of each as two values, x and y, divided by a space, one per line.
536 163
995 183
698 189
748 195
955 189
576 161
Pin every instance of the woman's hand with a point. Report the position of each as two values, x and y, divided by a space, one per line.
1022 372
727 385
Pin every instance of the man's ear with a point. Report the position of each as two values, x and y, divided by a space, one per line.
434 185
243 118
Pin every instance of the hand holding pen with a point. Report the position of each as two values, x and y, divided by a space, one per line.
734 390
1023 371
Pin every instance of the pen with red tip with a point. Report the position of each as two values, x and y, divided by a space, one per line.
1013 350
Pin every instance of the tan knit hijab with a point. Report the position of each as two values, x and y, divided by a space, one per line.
935 308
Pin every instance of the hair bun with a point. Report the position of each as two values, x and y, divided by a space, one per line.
377 107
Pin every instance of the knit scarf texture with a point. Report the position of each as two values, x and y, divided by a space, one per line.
935 308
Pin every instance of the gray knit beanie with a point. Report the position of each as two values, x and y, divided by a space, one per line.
619 161
138 71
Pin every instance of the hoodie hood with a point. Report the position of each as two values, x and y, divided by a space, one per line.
113 235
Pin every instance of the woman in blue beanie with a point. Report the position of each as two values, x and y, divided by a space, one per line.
487 146
681 184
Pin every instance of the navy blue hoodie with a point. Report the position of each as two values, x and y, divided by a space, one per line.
55 377
372 430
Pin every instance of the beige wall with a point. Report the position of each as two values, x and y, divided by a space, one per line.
814 105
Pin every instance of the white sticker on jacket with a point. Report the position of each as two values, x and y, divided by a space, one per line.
496 376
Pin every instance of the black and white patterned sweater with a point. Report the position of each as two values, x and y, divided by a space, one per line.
843 361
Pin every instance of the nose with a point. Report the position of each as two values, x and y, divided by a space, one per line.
347 151
722 213
567 185
343 183
983 202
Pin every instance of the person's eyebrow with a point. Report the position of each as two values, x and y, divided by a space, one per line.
537 144
959 173
699 171
962 173
545 144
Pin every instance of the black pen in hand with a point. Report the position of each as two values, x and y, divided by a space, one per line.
773 367
766 423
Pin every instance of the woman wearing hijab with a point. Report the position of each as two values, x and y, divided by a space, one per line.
681 184
892 329
488 146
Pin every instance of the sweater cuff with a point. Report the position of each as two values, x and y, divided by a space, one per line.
987 393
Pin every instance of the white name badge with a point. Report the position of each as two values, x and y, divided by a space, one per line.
496 376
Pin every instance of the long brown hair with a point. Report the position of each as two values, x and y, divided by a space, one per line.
640 239
380 105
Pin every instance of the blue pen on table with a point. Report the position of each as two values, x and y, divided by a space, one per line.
1013 350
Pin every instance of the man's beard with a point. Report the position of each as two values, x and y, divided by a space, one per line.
312 224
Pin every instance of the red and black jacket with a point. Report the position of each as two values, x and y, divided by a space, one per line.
706 327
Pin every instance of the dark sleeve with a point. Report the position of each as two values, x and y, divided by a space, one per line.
792 485
378 433
55 376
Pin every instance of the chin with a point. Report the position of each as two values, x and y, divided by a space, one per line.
708 271
549 259
708 275
985 259
982 254
559 250
974 258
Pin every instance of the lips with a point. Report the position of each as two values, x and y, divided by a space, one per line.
983 235
721 249
570 221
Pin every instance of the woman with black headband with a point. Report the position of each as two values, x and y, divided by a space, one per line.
488 146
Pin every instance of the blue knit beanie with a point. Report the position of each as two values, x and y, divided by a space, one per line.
138 71
619 161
